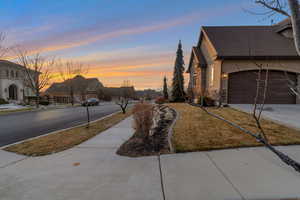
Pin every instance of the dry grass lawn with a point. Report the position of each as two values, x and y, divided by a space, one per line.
65 139
196 130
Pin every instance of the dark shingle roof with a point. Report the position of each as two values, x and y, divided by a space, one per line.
284 24
250 41
198 54
10 64
78 82
200 57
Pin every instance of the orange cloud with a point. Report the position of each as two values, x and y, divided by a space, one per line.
144 70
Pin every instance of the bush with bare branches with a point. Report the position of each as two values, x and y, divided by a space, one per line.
143 114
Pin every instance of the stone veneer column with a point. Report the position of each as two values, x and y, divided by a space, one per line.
224 89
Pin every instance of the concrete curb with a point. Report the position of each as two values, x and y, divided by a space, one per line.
170 133
2 148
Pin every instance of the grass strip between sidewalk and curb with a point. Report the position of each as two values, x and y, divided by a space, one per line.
195 130
65 139
33 109
3 112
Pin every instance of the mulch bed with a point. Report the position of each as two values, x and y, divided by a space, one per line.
156 144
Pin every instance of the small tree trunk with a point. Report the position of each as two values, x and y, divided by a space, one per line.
123 110
88 116
72 96
37 100
295 18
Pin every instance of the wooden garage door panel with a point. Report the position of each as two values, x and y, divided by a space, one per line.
242 88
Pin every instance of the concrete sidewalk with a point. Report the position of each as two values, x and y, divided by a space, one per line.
92 170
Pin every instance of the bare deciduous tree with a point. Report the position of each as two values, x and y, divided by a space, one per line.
292 85
262 82
288 8
67 71
123 100
37 71
124 97
123 103
3 49
273 7
295 18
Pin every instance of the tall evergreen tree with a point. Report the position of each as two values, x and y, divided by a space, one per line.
165 89
178 94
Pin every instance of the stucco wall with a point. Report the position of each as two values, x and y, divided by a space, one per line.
208 51
15 76
213 76
5 83
212 73
230 66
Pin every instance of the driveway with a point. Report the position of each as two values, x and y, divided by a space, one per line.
288 115
93 171
15 127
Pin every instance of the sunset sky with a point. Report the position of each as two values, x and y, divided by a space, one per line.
119 40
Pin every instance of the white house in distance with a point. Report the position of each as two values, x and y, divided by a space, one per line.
12 82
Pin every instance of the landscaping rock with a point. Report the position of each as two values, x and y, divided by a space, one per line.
157 143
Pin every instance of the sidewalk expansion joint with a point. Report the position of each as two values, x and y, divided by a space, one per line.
161 177
225 176
12 163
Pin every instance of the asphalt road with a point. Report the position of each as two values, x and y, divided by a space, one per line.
15 127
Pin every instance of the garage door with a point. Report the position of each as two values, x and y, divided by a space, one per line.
242 88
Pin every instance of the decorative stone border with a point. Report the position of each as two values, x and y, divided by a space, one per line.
170 132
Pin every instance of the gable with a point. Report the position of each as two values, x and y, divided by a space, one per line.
198 58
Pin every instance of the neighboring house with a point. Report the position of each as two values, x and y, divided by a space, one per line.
83 88
223 63
12 82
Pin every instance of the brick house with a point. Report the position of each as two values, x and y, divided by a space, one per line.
83 88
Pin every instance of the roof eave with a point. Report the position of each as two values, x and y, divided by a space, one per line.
258 57
190 63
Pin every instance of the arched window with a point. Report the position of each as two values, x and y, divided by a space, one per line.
17 74
12 74
7 73
13 92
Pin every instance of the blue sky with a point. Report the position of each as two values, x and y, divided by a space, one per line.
119 40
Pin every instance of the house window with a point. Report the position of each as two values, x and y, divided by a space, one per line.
7 73
212 76
12 74
17 74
